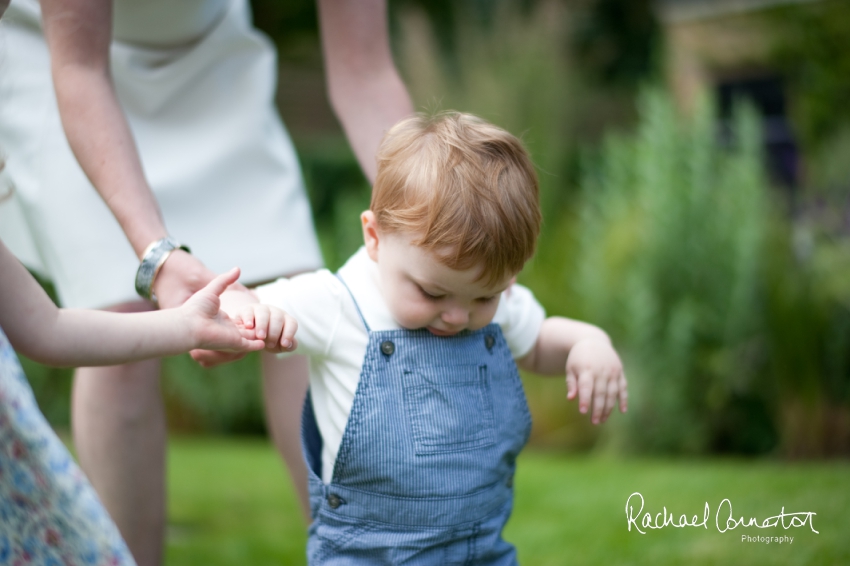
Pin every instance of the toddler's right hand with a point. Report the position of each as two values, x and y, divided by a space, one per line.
270 324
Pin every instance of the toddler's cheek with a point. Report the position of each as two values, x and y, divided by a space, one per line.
412 322
410 317
482 319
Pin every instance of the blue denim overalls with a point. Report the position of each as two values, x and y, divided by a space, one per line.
424 473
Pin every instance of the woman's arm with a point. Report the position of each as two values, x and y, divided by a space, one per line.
364 86
80 337
78 34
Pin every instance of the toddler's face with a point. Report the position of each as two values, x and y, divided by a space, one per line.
421 292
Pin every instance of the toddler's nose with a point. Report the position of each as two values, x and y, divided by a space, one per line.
456 317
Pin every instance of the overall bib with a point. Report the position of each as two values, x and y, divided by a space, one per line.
424 473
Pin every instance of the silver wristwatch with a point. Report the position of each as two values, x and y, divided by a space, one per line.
152 261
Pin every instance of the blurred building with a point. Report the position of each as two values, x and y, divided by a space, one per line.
725 47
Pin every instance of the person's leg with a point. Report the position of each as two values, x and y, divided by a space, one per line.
284 387
119 428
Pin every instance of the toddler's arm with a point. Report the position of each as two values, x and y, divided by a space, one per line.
593 368
81 337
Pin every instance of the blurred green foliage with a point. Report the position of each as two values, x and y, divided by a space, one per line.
732 317
671 235
809 307
225 399
617 41
338 194
814 55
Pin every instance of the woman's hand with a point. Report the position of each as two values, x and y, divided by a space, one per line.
181 276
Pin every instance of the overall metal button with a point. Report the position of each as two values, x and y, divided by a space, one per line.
334 500
489 341
387 347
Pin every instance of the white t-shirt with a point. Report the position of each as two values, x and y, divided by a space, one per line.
332 334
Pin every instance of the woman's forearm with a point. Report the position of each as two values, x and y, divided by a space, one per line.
100 138
364 86
78 35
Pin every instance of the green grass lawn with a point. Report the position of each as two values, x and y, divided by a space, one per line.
231 504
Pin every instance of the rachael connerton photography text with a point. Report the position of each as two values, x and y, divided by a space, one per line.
724 519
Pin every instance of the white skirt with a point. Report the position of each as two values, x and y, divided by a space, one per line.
214 150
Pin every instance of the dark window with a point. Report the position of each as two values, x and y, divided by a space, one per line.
768 96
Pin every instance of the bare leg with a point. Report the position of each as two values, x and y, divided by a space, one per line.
120 435
284 387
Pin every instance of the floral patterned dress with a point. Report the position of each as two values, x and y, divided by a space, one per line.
49 513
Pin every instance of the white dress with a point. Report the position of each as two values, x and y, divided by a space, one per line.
197 84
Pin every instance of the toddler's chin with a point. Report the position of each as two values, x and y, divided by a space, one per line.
438 332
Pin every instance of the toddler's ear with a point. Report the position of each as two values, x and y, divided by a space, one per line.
370 234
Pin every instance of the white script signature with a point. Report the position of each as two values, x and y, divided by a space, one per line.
663 519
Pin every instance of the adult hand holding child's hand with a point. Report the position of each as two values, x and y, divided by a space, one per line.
595 373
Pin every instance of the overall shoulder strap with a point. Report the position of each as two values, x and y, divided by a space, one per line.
356 306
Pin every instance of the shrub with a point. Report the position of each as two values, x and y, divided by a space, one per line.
670 261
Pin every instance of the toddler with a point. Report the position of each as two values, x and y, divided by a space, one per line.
416 412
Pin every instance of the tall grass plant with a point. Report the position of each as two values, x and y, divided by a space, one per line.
670 261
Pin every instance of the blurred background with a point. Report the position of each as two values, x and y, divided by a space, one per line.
694 159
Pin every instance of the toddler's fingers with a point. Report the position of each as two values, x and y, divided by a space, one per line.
585 390
223 281
287 340
261 320
276 326
246 318
611 397
572 385
599 392
624 394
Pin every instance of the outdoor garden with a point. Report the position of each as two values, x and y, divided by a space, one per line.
716 257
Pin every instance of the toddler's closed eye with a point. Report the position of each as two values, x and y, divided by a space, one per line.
428 295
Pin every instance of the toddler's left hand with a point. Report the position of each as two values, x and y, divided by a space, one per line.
595 373
270 324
